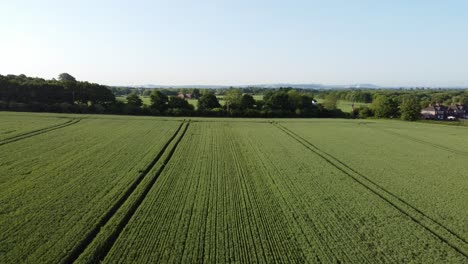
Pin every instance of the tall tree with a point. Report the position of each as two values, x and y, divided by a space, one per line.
247 102
177 102
196 93
279 100
410 109
208 101
158 101
134 100
384 107
233 99
65 77
69 82
330 101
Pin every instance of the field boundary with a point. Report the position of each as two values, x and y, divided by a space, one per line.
101 252
39 131
443 233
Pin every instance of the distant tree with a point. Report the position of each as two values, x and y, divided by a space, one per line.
146 92
208 101
384 107
247 102
69 82
65 77
410 109
196 93
233 99
158 101
330 102
134 100
365 112
177 102
278 100
424 103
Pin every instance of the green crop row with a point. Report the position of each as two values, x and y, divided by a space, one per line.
424 165
247 192
159 190
57 186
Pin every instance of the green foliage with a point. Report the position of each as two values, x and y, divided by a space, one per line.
247 102
233 99
177 102
65 77
43 95
208 101
365 112
279 101
134 100
330 102
410 109
158 100
384 107
196 93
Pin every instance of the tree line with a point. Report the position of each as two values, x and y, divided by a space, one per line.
405 104
282 102
67 95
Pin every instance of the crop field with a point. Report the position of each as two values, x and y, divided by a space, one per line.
115 189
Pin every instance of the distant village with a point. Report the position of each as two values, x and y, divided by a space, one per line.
441 112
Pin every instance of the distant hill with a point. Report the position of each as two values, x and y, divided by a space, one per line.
274 86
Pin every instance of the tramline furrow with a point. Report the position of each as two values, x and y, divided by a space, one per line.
380 187
300 203
299 192
342 227
164 237
184 185
68 159
417 140
39 131
438 230
153 232
102 251
163 233
63 193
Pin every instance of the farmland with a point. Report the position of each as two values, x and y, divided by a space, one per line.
90 188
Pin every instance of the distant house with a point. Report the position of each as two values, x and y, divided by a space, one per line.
185 96
458 111
441 112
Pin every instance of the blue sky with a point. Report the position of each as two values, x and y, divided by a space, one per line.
392 43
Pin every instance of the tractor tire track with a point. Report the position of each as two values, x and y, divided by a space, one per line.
81 247
417 140
39 131
380 187
446 235
111 240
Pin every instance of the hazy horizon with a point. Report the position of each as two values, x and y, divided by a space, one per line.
385 43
